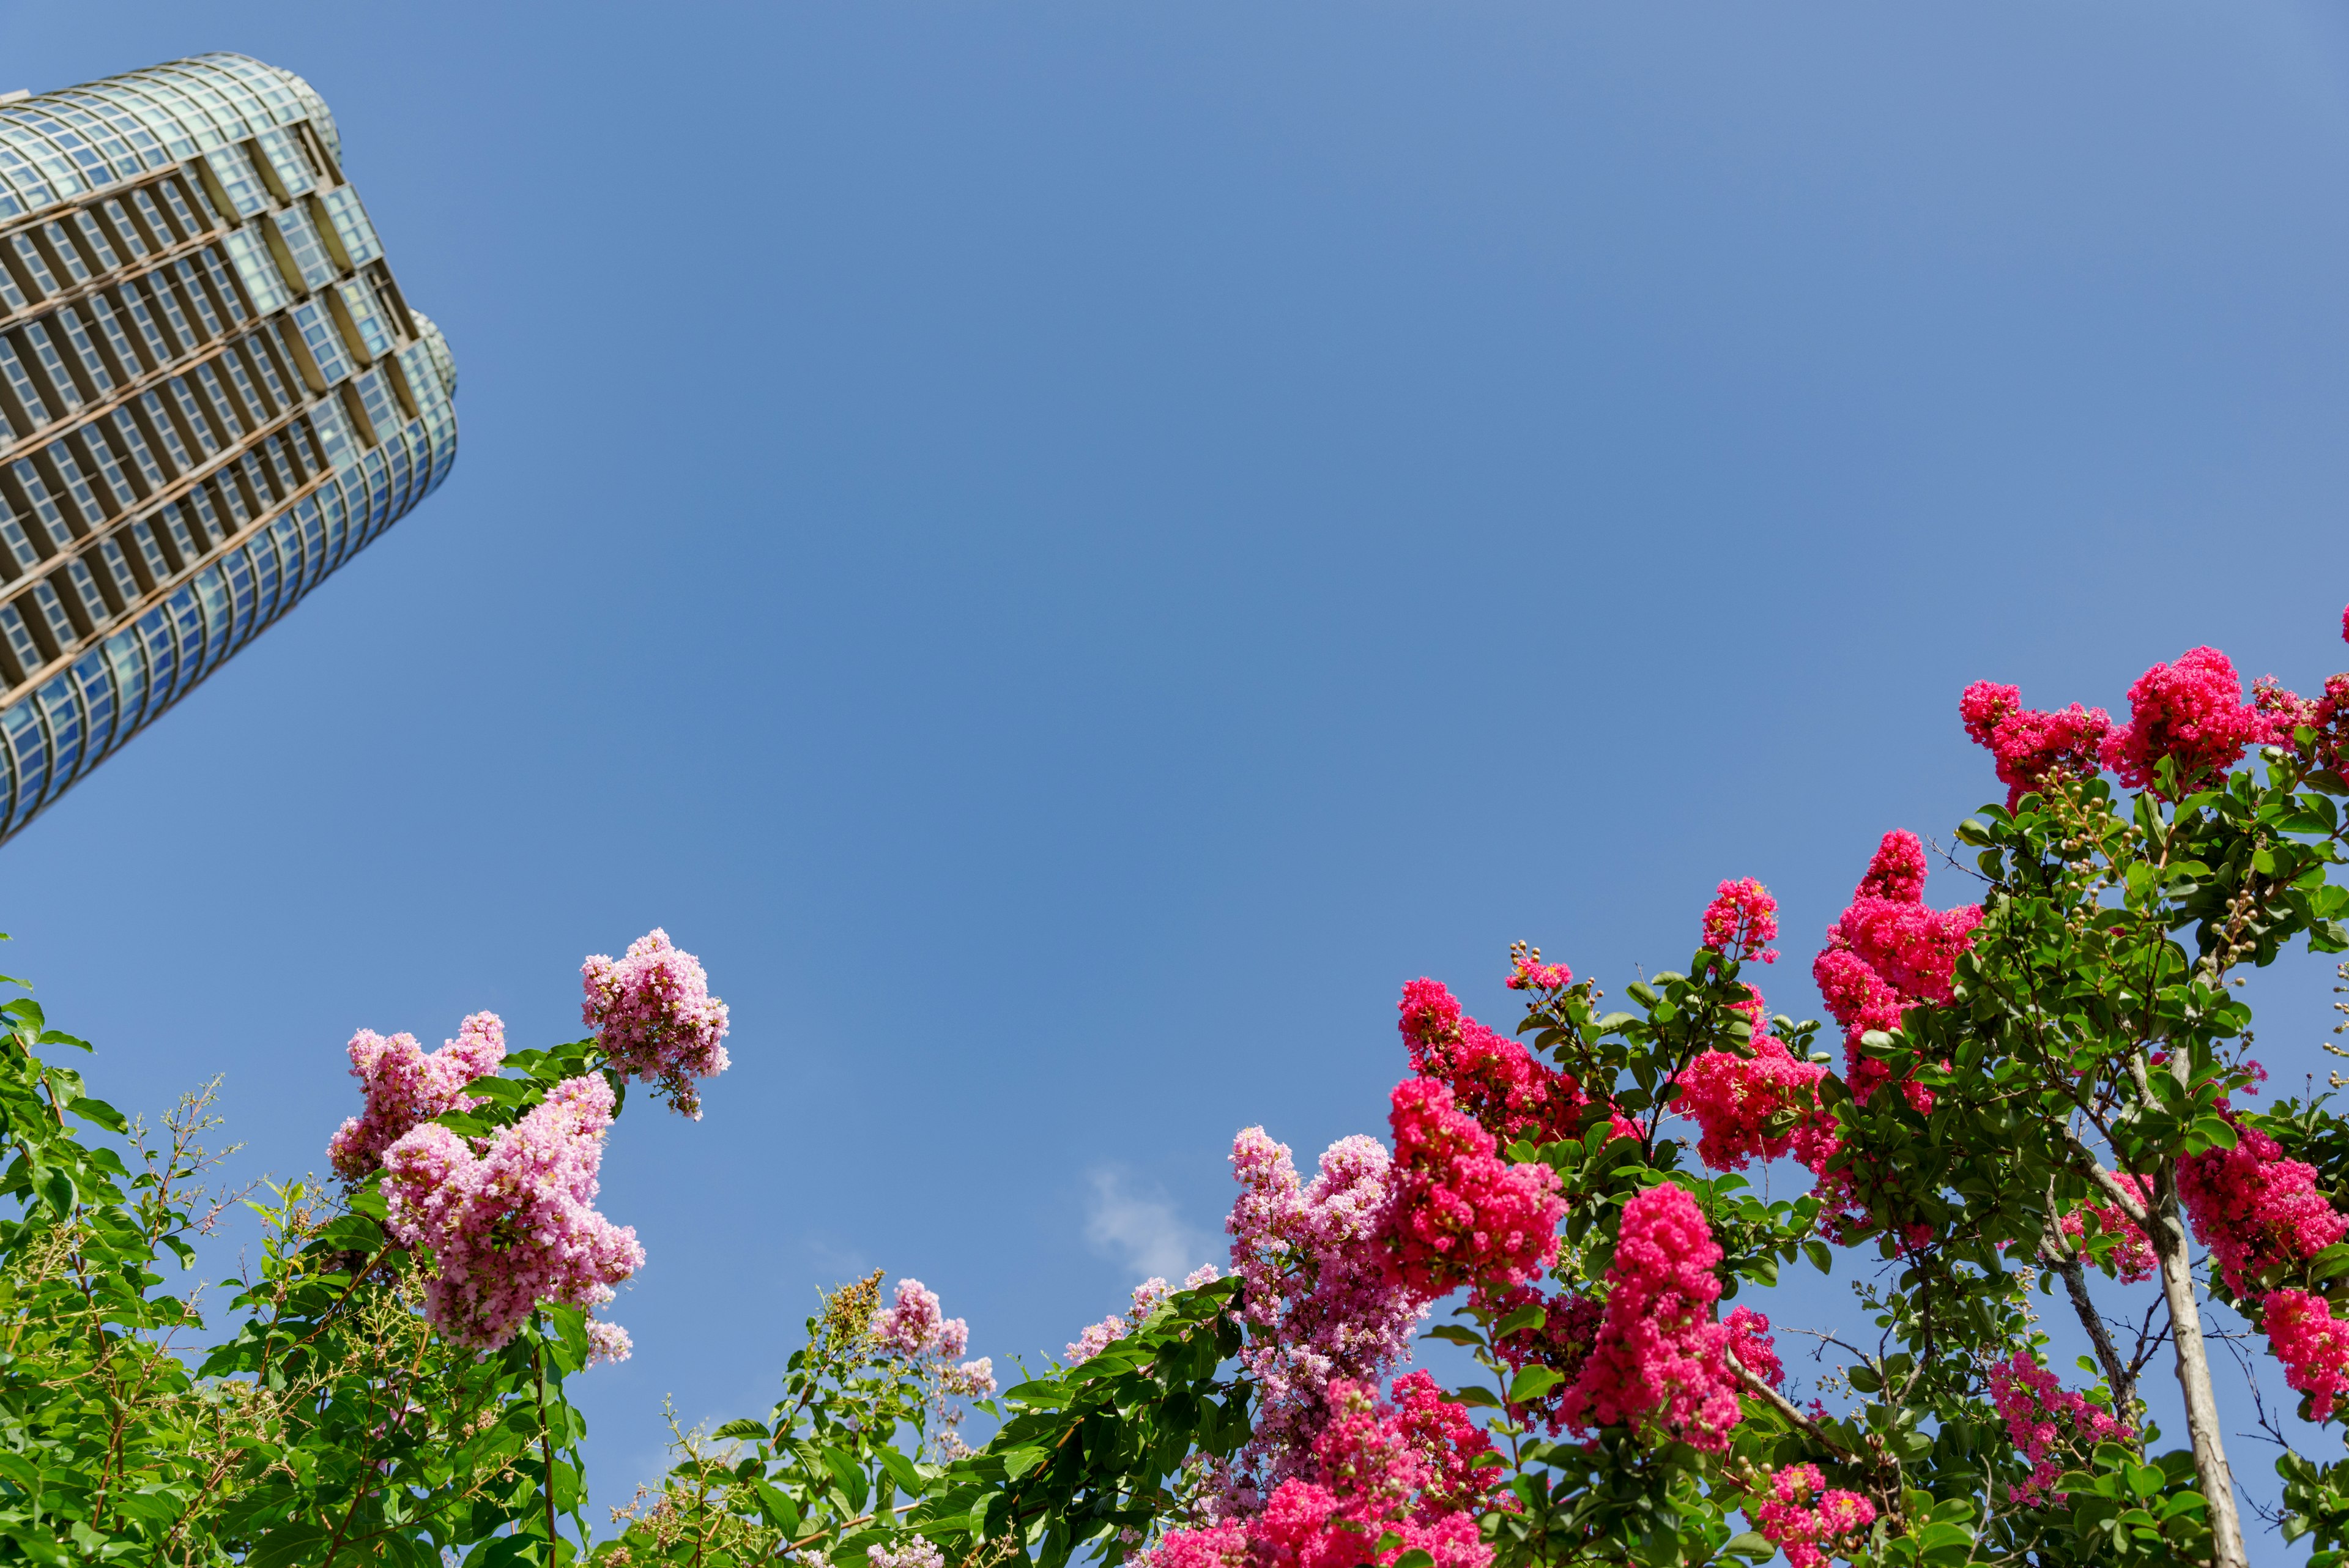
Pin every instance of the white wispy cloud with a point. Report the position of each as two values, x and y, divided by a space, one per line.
1144 1229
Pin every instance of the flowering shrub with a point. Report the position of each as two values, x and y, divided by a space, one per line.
2052 1428
2071 1054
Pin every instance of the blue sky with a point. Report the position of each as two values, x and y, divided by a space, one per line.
1068 550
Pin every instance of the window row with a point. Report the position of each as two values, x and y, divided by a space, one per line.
84 353
126 456
50 735
55 146
74 489
48 259
81 596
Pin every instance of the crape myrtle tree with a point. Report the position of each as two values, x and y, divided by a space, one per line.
2044 1103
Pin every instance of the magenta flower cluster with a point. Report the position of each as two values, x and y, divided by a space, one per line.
1742 921
2052 1428
1493 1078
1810 1521
2255 1209
1760 1104
514 1223
2132 1260
1460 1214
1406 1474
2191 713
1888 953
654 1016
2311 1344
2032 747
406 1085
1659 1357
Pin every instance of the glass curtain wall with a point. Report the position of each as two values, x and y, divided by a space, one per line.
212 392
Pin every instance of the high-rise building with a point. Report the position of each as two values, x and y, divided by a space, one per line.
212 392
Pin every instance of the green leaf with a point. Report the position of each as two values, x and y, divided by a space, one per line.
1519 1321
1019 1461
742 1428
1532 1382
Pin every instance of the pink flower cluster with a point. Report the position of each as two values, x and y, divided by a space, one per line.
607 1342
2052 1428
1810 1521
907 1552
1408 1469
514 1224
1737 1101
1742 921
1460 1214
2254 1208
1527 972
1890 953
915 1326
1317 1300
655 1018
2132 1261
2032 747
1148 1296
2313 1345
2192 711
406 1085
1660 1356
1493 1078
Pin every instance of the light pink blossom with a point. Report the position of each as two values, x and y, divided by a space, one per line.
406 1085
512 1224
655 1018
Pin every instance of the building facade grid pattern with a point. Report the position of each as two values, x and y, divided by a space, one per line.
211 393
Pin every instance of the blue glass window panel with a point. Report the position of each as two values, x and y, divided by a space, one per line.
352 225
285 160
313 524
324 344
125 655
56 169
303 244
220 623
29 745
240 586
24 176
187 608
162 650
94 673
258 270
266 578
62 707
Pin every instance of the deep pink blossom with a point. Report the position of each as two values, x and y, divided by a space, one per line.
1660 1356
2254 1208
1810 1523
2052 1428
1317 1298
2032 747
2191 711
1752 1105
1493 1078
1887 953
1742 921
2132 1261
406 1085
655 1018
512 1224
1750 1345
1527 972
2313 1345
1462 1215
1409 1470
